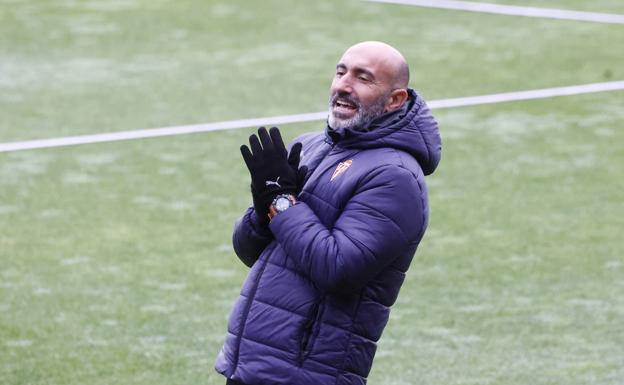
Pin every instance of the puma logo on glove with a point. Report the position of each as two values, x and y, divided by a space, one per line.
271 183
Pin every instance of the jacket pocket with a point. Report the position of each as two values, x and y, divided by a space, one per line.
310 328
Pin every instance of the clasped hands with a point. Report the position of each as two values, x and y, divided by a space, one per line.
273 170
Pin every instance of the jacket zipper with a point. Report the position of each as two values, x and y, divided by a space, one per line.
308 330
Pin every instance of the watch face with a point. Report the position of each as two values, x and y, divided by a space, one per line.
282 204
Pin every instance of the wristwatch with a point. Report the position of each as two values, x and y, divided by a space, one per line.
280 204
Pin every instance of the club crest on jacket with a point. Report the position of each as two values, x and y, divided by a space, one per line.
342 167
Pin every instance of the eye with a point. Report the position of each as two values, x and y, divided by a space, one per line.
364 78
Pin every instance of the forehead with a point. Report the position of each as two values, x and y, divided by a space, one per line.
376 63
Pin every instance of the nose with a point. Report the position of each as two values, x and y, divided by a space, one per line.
342 84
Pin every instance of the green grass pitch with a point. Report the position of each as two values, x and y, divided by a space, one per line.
115 259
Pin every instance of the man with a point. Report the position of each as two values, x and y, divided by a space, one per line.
333 231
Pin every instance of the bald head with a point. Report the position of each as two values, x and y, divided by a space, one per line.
387 58
371 79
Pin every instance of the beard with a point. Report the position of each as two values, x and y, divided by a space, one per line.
363 116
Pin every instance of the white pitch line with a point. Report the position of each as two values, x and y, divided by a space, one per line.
550 13
528 95
157 132
300 118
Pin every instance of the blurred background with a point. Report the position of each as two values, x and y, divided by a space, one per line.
116 265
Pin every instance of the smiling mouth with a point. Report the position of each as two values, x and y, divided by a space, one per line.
343 109
344 104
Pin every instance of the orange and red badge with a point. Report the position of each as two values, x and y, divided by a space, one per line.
342 167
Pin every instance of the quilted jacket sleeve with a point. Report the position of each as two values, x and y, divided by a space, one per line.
248 239
383 220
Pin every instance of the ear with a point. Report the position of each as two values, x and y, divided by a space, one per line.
396 100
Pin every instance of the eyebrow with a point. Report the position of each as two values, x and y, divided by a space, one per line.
357 70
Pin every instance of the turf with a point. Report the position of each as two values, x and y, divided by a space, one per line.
115 259
99 66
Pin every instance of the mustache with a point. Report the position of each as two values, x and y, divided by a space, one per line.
345 97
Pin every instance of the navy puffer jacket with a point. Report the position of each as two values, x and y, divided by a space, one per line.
321 284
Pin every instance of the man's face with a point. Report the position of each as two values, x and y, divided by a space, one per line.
359 90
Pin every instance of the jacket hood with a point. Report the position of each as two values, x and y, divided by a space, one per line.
411 129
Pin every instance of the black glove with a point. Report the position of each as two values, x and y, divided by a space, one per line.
293 159
271 172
